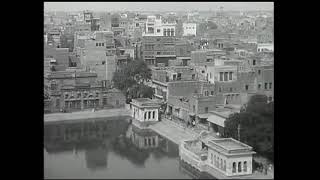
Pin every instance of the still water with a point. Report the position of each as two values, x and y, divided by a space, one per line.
109 149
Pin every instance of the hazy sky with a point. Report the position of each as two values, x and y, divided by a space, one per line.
150 6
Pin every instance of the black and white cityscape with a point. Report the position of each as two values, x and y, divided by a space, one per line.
158 90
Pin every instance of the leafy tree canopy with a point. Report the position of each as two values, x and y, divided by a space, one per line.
256 121
130 79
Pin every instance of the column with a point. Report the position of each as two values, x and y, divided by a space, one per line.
249 167
81 102
100 99
236 167
157 113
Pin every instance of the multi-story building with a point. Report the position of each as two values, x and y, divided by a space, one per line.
155 27
60 57
191 101
162 76
189 29
77 90
105 24
87 16
54 36
95 24
158 49
183 48
67 41
115 20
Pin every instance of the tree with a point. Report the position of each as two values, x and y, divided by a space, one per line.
131 78
256 120
212 25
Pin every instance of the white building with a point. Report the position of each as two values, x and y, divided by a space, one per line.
230 157
262 47
189 29
221 73
145 109
220 157
155 27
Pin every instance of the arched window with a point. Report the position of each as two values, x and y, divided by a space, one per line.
239 166
245 166
218 162
221 165
234 167
149 115
145 115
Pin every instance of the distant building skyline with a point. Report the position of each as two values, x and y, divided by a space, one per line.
158 6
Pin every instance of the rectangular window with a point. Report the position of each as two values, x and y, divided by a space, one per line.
259 71
57 103
259 86
265 85
270 85
149 141
96 44
221 76
194 108
153 114
226 76
206 109
193 76
179 76
247 87
158 30
174 77
230 75
153 141
231 89
104 101
211 93
102 44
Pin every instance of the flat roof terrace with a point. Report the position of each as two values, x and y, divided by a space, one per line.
230 144
146 102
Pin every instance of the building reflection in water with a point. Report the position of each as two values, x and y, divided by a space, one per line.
138 144
96 158
90 137
97 138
